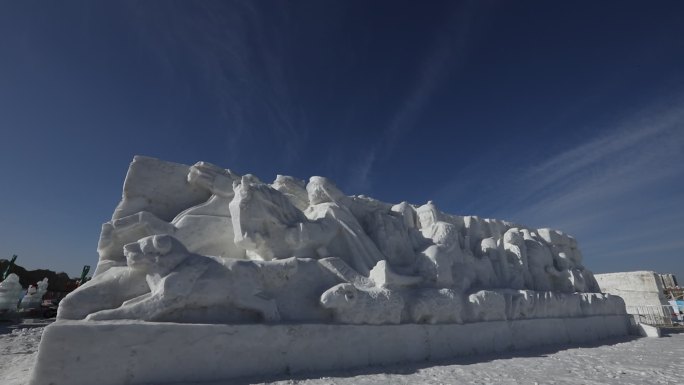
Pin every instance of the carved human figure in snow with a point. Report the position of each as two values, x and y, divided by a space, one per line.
389 230
444 252
269 226
493 252
483 268
480 263
205 228
569 274
540 262
516 256
349 242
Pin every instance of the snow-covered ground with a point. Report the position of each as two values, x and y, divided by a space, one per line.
622 361
18 350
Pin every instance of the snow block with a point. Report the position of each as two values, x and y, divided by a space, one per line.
134 352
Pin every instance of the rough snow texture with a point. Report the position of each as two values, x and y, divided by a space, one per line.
18 351
240 250
190 352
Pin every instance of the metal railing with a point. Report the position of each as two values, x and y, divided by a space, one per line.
652 314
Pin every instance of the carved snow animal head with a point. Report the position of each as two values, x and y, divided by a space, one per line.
156 253
213 178
294 189
322 190
339 296
427 214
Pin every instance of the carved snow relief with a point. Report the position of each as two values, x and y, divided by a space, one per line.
202 244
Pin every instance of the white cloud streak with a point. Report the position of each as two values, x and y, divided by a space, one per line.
644 144
619 193
646 250
446 57
632 157
360 182
242 60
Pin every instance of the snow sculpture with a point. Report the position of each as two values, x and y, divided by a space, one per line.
516 257
444 250
227 233
269 226
10 292
294 189
326 280
350 241
382 276
34 295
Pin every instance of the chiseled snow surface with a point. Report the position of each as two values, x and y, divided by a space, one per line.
622 361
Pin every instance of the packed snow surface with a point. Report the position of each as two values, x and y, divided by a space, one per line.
18 351
620 361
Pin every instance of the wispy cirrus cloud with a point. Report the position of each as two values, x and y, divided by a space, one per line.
446 57
621 155
240 59
619 192
360 181
637 155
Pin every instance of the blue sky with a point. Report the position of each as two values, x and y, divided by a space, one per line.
565 115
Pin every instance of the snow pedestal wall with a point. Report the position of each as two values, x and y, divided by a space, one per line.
198 256
131 352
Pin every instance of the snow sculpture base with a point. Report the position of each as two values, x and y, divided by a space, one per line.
134 352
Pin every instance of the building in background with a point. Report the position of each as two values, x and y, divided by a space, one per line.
647 295
674 294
